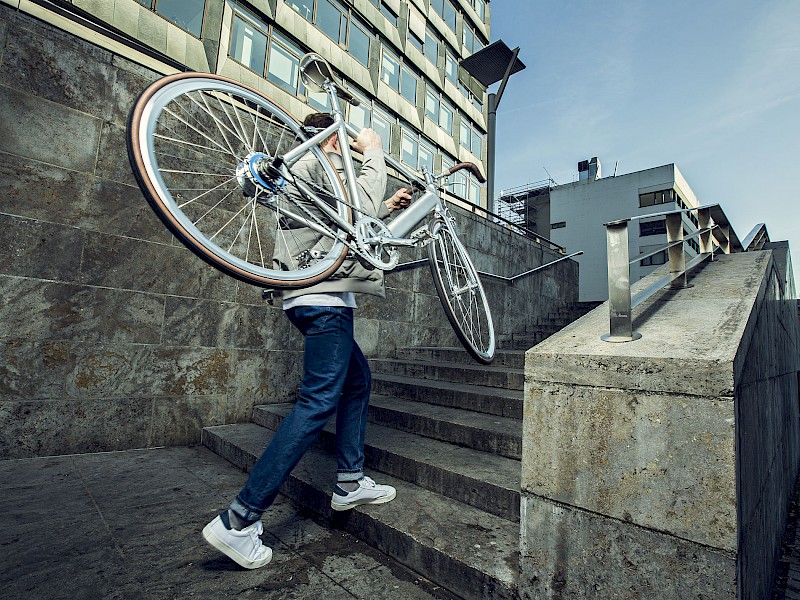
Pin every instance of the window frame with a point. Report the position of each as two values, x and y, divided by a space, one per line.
153 6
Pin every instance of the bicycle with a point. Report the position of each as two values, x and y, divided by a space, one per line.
214 159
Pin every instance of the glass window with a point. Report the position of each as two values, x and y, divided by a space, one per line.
432 106
451 67
431 48
438 6
382 125
248 45
415 41
304 7
187 14
284 65
408 85
652 228
480 8
390 70
426 156
360 116
466 134
359 42
446 117
389 14
468 38
474 195
449 15
409 152
329 20
476 144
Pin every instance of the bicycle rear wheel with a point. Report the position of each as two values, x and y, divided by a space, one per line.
461 293
193 139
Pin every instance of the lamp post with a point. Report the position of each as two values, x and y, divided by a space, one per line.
496 62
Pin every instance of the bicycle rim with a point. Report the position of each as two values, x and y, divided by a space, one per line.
461 293
187 136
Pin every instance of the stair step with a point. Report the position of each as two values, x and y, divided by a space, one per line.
465 550
485 433
503 358
482 399
490 376
485 481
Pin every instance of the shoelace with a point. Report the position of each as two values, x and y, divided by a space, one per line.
368 482
255 532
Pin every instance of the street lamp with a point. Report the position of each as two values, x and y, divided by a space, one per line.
496 62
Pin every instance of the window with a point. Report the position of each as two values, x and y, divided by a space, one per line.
658 258
451 67
388 10
336 21
652 228
471 139
249 43
660 197
426 157
409 149
283 68
480 8
398 76
304 7
438 111
382 124
470 40
415 41
446 10
558 225
367 115
431 48
408 85
186 14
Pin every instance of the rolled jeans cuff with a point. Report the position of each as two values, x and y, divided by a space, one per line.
345 476
245 512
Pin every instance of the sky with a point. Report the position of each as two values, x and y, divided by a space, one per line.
710 85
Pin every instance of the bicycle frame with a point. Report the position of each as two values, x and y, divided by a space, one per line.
404 223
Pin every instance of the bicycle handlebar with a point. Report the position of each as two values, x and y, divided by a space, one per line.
471 167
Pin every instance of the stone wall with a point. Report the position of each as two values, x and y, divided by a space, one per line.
114 336
663 467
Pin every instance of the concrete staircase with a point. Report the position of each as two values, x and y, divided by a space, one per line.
446 433
546 326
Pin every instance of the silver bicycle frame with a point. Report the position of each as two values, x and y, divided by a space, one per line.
407 220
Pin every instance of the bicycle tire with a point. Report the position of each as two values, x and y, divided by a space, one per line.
187 135
461 293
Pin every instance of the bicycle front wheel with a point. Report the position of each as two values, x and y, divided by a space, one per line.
193 139
461 293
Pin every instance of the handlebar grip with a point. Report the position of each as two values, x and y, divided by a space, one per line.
471 167
347 96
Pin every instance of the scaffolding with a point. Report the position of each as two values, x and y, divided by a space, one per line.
516 204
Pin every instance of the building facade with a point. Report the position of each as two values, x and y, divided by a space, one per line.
579 209
401 59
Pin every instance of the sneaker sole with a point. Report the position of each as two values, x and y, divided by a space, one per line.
208 536
382 500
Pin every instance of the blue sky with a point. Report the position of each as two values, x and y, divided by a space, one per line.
712 86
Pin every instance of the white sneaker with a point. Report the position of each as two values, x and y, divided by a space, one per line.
243 547
368 492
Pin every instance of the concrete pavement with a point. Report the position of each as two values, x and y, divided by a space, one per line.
126 525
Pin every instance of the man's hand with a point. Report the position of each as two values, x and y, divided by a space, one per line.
400 199
367 139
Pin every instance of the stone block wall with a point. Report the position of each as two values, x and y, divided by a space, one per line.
663 467
114 336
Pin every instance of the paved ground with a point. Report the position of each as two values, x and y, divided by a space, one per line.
126 525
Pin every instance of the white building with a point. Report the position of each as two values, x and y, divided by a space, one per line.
578 211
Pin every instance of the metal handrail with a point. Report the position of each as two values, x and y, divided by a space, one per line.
415 263
620 302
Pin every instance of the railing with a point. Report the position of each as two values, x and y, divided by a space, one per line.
756 239
621 303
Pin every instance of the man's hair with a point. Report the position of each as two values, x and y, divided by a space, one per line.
318 120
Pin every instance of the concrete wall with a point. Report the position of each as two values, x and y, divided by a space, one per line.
663 468
114 336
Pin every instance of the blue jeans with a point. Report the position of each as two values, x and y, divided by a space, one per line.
336 378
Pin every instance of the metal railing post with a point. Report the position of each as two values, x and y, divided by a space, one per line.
704 225
619 284
677 255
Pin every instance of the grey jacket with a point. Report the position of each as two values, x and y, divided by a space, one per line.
352 276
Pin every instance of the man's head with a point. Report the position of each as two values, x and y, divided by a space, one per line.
322 121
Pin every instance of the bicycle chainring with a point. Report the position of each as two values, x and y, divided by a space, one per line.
371 234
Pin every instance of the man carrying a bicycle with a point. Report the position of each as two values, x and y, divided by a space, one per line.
336 375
